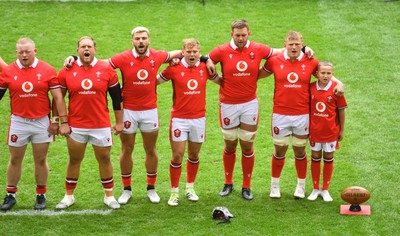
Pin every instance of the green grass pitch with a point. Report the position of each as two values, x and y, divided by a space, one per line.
360 37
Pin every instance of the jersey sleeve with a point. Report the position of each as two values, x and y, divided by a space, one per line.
115 61
62 78
341 102
113 77
3 83
215 54
267 51
268 65
54 81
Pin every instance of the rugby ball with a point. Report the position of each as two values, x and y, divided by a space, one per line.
355 195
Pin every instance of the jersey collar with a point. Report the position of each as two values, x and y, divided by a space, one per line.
136 54
326 87
185 64
92 64
287 57
34 64
233 45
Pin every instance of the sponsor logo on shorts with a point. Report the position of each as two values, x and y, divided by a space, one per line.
14 138
127 124
227 121
276 130
177 133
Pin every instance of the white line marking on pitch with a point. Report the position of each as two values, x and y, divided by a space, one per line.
55 213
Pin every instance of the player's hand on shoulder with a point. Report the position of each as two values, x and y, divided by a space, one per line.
310 53
68 62
339 90
174 61
211 67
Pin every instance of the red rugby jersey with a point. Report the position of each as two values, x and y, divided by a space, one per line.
324 118
87 89
189 86
292 83
239 70
139 77
29 88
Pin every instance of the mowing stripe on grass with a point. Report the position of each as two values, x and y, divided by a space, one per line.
55 213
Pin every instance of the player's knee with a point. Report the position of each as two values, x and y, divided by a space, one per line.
282 141
299 142
230 134
247 136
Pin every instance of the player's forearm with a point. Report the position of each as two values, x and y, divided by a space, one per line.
276 51
2 64
58 104
118 116
342 117
262 73
337 81
174 54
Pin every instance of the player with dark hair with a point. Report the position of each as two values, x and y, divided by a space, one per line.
29 81
87 83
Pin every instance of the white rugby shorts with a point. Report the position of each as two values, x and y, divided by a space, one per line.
231 115
327 147
22 131
193 130
283 125
146 121
99 137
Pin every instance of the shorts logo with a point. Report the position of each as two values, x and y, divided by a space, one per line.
241 66
320 106
127 124
192 84
276 130
86 84
292 77
332 145
312 143
142 74
27 87
227 121
177 133
14 138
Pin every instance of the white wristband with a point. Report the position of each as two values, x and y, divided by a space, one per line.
55 119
